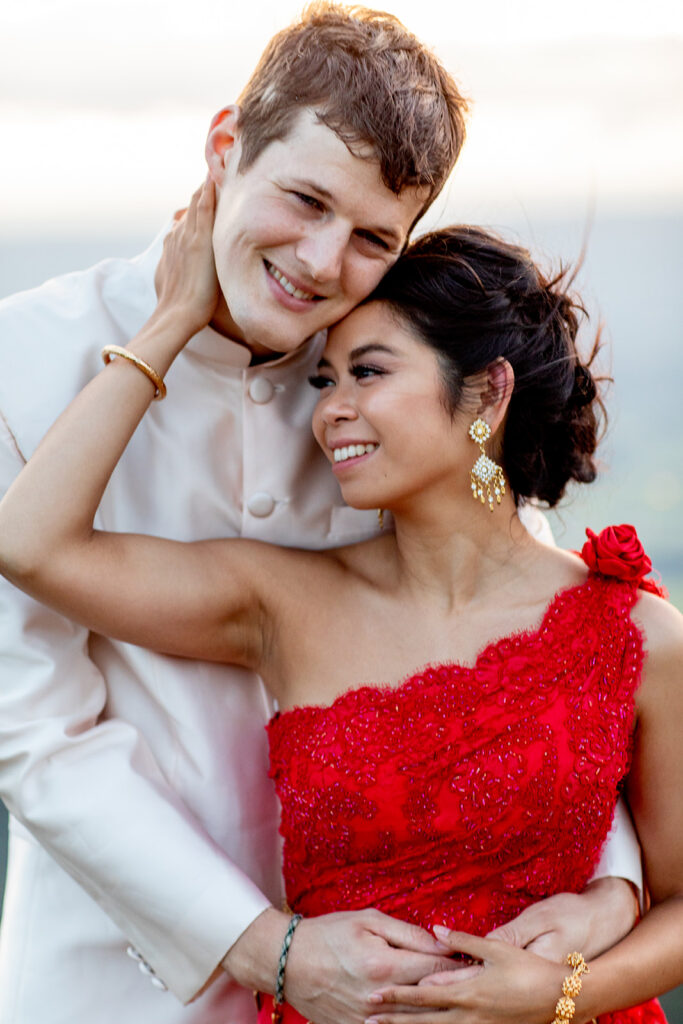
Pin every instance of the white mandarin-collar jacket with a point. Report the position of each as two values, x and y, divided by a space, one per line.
143 836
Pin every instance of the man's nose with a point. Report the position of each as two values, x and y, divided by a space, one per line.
322 251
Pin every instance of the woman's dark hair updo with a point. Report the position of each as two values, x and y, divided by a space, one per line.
474 298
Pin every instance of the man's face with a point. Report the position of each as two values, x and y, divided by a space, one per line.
302 236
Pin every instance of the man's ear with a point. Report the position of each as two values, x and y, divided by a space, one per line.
220 142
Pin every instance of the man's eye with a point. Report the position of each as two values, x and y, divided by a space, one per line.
319 382
374 240
307 200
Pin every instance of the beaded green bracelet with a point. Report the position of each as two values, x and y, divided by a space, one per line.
282 963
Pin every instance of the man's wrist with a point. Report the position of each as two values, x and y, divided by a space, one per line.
618 908
252 960
622 891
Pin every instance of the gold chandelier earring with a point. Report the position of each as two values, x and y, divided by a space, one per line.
485 475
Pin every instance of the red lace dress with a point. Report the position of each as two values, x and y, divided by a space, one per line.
467 793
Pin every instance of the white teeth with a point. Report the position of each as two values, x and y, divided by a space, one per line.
352 451
287 284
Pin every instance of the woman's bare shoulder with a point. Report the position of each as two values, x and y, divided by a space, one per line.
661 625
368 561
306 565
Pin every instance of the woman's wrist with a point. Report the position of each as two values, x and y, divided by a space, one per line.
162 338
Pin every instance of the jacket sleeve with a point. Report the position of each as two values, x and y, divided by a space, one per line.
91 793
620 857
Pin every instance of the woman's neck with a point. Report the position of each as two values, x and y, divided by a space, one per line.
459 551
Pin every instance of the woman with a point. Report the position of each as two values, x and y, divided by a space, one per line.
454 794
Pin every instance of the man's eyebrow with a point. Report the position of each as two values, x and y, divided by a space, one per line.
390 234
358 353
313 186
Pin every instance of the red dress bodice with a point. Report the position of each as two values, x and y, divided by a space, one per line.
465 794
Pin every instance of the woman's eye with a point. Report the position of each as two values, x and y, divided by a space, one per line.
319 382
362 370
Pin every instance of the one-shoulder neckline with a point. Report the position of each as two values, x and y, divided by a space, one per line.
489 650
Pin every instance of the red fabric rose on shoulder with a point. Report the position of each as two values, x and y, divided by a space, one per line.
617 551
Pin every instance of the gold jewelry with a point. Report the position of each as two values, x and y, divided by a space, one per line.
485 473
380 518
571 986
108 353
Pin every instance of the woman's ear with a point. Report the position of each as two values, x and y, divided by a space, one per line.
220 142
496 392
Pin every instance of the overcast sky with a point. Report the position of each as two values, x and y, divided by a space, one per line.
104 105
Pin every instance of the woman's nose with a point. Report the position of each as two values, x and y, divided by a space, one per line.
337 406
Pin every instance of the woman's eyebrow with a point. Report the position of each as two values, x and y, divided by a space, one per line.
358 353
372 346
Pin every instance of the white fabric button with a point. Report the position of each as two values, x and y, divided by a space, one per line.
133 954
261 504
158 983
261 390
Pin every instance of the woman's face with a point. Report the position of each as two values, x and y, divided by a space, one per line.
381 418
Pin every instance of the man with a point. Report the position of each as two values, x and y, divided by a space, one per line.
144 827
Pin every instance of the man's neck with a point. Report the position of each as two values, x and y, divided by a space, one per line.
223 324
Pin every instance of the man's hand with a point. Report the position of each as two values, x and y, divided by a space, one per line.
335 961
592 921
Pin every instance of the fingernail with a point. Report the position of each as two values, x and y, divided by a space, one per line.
441 931
375 997
372 1020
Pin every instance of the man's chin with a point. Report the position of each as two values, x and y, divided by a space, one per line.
271 341
262 352
264 340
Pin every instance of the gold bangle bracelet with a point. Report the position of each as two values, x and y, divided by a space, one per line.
108 353
571 986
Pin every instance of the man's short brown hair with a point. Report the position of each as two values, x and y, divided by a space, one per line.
370 81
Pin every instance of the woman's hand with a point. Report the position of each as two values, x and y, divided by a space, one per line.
507 986
185 280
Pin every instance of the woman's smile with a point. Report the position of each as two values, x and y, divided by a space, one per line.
381 389
346 454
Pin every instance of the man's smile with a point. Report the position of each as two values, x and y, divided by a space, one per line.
289 286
